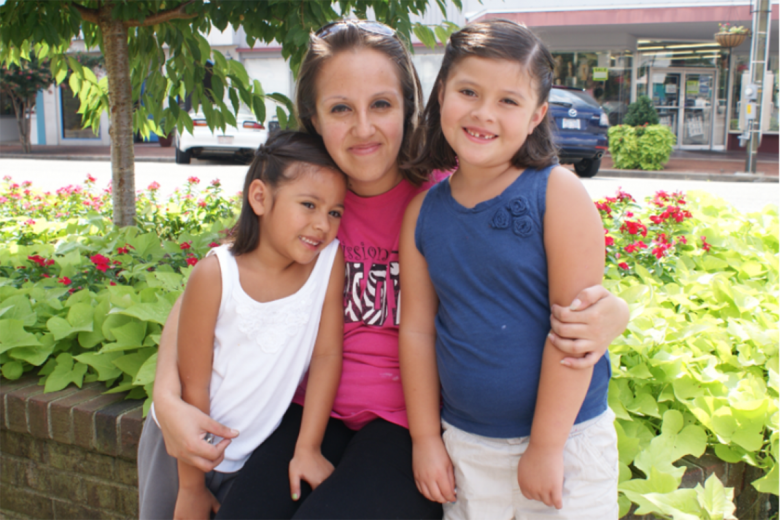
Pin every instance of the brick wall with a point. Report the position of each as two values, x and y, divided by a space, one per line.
68 454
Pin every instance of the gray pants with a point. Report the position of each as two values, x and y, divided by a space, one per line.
158 477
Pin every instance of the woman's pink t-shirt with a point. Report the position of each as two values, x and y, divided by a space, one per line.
371 379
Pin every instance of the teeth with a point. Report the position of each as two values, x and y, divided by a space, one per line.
481 136
310 242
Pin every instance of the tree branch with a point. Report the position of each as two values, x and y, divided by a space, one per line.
176 13
87 14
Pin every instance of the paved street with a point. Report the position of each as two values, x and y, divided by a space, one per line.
49 175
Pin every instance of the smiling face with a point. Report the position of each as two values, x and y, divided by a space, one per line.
360 116
489 107
300 217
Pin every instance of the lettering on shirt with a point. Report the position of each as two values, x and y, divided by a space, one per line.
367 295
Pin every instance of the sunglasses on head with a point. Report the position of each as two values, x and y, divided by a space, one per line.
366 25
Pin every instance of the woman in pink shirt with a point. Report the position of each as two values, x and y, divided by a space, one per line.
358 89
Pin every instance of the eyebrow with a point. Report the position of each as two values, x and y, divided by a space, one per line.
315 197
376 95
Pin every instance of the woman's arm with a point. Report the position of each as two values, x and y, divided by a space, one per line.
433 471
183 425
585 329
574 244
324 376
199 310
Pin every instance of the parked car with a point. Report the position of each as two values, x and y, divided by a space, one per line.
580 129
240 142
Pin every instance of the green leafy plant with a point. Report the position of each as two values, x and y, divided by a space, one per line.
643 147
732 29
641 112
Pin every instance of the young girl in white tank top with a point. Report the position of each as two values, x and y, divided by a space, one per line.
260 312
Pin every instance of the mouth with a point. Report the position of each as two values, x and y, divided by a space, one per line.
364 149
314 244
481 135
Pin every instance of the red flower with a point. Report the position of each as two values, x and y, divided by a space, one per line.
122 250
154 186
623 265
216 183
101 262
202 203
704 244
65 280
49 262
90 178
184 246
213 244
37 260
112 283
46 275
609 241
682 240
193 180
30 222
192 260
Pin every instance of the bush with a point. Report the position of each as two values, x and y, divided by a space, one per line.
641 112
645 147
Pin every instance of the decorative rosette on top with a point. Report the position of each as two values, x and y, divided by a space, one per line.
515 214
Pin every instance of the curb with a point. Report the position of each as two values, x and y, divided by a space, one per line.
54 157
690 176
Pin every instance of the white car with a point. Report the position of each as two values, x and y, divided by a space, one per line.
241 141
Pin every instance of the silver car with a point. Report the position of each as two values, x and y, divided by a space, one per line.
239 142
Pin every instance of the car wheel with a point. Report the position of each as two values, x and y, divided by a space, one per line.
587 168
183 157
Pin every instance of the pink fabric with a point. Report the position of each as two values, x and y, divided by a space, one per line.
371 380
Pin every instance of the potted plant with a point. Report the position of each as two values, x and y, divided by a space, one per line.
731 35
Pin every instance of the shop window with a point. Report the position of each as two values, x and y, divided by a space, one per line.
71 120
606 76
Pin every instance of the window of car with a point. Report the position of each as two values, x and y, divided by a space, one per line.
572 97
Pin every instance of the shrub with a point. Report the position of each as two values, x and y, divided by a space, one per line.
641 112
643 147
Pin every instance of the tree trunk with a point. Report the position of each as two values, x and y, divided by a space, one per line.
22 107
121 116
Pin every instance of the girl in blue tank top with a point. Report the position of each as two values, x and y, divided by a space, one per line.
484 254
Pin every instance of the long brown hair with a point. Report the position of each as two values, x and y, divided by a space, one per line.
350 35
502 40
275 163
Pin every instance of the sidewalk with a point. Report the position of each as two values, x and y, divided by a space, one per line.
690 165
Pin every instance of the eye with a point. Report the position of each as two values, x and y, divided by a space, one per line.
309 205
381 104
339 108
509 101
468 92
335 214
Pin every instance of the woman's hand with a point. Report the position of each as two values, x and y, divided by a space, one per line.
308 465
184 428
195 504
433 472
585 329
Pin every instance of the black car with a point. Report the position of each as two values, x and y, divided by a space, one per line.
580 129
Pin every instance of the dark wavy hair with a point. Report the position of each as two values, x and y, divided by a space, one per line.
501 40
285 156
351 36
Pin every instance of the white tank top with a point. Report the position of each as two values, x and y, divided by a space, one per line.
261 353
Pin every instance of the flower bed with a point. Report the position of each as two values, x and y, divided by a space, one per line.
695 372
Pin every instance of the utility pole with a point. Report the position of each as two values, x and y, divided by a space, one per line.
759 53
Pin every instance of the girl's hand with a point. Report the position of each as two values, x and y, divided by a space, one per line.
184 427
433 471
308 465
585 329
540 475
195 504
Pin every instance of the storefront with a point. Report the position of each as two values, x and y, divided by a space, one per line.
650 48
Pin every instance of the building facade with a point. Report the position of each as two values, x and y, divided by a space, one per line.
615 50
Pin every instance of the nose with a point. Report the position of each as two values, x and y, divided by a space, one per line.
482 111
364 127
321 222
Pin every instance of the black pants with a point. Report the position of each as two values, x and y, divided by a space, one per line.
373 476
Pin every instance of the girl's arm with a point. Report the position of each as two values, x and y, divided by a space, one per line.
433 472
183 426
324 375
199 310
574 243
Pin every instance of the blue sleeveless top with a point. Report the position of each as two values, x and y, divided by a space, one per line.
489 268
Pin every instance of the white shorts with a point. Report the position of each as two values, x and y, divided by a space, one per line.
486 475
